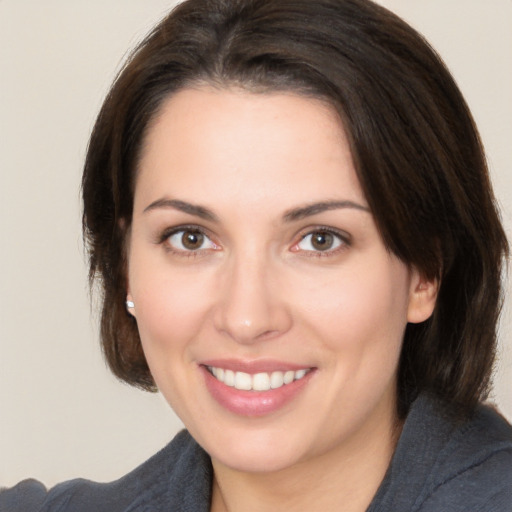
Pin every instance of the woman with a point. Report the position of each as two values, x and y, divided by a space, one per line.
288 209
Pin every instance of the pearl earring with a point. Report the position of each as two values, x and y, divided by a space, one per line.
130 304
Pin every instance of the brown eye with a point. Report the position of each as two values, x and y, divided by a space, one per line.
320 241
192 240
187 240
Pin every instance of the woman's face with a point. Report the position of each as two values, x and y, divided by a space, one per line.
270 312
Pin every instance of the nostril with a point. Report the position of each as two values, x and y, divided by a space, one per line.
267 334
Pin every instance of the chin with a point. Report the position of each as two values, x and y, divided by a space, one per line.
256 460
254 450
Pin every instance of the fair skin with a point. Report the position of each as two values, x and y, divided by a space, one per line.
253 250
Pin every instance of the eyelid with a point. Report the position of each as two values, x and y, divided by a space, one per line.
169 232
342 236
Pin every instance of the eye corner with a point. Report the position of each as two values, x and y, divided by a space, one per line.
173 240
328 242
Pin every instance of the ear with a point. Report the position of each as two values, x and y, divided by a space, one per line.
422 297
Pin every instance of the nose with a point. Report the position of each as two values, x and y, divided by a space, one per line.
252 306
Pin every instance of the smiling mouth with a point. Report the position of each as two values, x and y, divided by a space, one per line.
259 381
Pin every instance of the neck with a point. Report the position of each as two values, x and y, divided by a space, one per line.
346 477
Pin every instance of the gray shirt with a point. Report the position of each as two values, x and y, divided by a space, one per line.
439 465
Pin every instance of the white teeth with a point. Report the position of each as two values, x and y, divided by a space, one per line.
261 382
276 380
258 381
299 374
243 381
229 378
289 376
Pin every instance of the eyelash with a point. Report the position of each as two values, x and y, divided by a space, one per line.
342 238
168 233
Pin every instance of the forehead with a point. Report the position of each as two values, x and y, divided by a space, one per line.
216 143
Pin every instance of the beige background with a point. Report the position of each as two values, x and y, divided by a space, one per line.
61 414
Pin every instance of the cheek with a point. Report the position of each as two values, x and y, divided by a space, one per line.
171 313
171 307
361 309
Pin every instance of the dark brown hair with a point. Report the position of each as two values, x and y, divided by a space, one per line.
415 146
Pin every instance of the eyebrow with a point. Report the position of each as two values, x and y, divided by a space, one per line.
289 216
182 206
323 206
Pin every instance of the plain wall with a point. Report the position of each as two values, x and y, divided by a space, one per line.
62 414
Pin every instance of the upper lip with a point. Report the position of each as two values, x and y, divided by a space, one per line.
254 366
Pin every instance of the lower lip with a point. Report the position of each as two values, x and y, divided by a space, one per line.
253 403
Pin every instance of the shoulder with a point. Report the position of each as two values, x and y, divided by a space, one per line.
473 471
27 496
443 464
178 474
